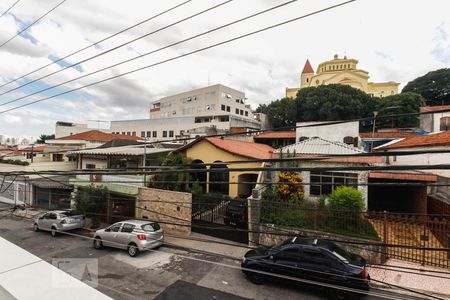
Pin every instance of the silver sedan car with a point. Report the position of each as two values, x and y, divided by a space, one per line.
132 235
58 220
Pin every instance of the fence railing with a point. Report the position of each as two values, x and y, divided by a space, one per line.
421 238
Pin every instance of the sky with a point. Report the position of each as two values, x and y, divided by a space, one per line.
393 40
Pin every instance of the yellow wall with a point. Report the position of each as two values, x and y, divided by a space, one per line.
334 71
208 153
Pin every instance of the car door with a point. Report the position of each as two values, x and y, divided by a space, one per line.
315 264
110 236
42 221
48 220
286 261
126 235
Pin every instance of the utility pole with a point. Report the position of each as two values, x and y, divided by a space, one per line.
375 113
32 152
144 163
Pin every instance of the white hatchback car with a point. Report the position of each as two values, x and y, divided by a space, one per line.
131 235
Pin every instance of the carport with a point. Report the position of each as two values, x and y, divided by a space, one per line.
386 196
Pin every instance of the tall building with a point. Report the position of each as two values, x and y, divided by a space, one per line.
342 71
208 110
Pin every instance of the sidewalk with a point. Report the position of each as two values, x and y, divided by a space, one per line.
418 282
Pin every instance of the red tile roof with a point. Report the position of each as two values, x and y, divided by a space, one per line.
99 136
387 135
246 149
4 148
344 159
403 176
434 108
276 135
307 68
433 139
35 148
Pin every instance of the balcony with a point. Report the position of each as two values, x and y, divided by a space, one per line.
124 180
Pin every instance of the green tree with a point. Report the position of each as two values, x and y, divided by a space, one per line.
399 104
333 102
91 200
347 198
433 86
281 113
173 181
43 137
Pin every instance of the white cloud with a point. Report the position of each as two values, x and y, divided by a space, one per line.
393 40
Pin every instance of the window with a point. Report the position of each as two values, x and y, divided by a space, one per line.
241 112
164 133
58 157
170 133
149 134
134 133
237 100
237 111
290 254
90 166
123 132
315 257
142 133
246 113
228 109
307 80
127 228
155 134
324 183
128 133
115 227
444 124
222 107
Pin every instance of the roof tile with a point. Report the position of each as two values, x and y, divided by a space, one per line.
99 136
432 139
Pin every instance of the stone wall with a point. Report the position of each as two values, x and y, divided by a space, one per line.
372 253
166 207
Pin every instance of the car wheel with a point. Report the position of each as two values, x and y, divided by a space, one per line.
35 227
256 278
133 250
53 231
339 294
98 243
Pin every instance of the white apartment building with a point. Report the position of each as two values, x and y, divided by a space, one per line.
192 113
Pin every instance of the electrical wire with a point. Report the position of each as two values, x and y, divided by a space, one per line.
101 54
184 54
34 22
9 8
93 44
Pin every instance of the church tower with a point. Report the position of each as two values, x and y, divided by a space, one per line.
307 74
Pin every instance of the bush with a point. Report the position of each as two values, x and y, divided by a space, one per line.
290 187
346 198
269 195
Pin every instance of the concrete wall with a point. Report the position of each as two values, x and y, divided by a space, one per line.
372 253
431 122
166 206
334 133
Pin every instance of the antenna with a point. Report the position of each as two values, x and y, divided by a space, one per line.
98 122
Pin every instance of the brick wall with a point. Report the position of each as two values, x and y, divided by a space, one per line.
166 207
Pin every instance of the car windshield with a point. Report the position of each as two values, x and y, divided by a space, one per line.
339 252
151 227
66 214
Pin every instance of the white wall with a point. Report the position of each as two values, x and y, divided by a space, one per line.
423 159
334 133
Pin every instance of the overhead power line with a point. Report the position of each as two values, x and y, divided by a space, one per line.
9 8
139 56
94 44
27 27
186 54
108 51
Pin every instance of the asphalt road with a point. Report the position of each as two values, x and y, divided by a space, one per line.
168 273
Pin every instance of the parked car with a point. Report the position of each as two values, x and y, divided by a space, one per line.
131 235
58 220
236 213
311 259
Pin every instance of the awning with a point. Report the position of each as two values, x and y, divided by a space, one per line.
54 182
403 176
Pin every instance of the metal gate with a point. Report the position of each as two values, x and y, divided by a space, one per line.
208 214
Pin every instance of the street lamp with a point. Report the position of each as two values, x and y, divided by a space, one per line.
375 114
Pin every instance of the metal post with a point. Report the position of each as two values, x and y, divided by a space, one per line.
144 164
375 113
32 152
